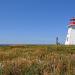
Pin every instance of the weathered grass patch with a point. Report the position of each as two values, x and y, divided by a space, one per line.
37 60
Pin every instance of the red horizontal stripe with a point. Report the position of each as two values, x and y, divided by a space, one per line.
72 23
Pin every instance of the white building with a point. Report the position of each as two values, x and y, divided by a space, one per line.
70 39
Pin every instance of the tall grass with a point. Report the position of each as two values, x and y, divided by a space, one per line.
37 60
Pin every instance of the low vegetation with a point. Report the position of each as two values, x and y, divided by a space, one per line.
37 60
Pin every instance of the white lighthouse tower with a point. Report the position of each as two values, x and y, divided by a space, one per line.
70 39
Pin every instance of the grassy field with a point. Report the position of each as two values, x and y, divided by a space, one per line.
37 60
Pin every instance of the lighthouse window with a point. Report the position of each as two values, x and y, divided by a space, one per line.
67 38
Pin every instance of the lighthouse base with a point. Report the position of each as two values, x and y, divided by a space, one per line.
70 39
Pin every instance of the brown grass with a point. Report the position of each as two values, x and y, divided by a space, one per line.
37 60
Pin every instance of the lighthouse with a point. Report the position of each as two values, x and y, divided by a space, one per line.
70 39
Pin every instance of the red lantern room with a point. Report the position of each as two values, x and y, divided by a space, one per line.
72 22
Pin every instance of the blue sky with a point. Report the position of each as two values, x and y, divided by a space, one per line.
34 21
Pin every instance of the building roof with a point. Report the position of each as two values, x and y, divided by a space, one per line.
72 22
72 19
